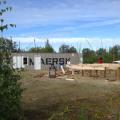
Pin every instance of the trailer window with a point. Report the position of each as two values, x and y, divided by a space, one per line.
25 61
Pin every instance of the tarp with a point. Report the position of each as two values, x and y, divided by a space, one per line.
118 61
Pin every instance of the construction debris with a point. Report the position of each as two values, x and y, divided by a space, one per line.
70 79
63 71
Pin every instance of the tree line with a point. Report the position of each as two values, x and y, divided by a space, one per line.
49 49
108 55
89 55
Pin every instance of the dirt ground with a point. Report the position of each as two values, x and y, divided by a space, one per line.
83 98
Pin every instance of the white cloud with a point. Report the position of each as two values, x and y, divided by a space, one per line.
64 18
65 12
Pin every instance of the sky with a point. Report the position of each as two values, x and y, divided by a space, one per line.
79 23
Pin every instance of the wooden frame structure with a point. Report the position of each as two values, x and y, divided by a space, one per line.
95 67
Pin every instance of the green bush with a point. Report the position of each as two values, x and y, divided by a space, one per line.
10 90
10 93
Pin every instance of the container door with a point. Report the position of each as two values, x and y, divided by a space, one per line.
37 63
17 62
14 62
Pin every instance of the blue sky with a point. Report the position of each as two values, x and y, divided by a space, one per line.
72 22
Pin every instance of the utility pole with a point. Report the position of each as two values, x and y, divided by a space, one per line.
35 44
19 47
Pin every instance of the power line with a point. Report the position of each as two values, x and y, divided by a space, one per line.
89 44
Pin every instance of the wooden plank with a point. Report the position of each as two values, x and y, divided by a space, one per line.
118 74
73 72
94 66
86 68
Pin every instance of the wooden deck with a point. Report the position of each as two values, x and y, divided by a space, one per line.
95 67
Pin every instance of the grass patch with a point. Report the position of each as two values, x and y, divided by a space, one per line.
82 99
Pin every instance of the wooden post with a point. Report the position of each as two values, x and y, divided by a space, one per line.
118 73
105 72
82 72
90 73
96 71
73 72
